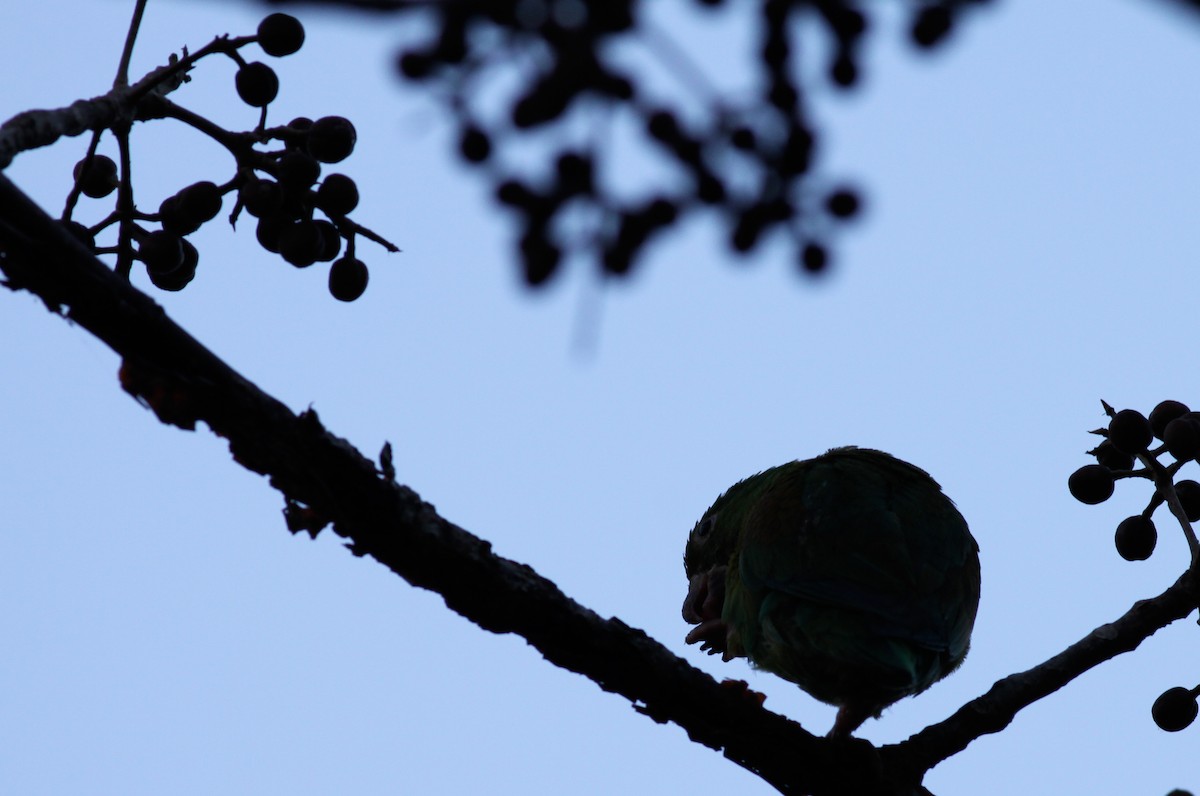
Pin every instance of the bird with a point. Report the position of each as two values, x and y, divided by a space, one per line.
850 574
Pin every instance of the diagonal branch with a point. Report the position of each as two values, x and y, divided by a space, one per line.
324 478
993 711
124 103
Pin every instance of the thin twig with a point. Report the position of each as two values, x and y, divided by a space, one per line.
77 188
124 206
122 79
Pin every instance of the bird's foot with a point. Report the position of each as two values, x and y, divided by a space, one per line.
849 718
714 635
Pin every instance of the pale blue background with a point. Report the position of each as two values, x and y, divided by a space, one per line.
1030 247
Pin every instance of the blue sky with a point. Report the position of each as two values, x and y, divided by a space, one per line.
1029 248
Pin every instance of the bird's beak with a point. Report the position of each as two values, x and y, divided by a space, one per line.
706 596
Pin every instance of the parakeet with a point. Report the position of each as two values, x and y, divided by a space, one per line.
850 574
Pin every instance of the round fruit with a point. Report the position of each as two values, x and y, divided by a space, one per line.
516 194
1129 432
200 202
1182 437
261 197
337 195
347 278
1136 537
540 257
743 138
171 216
1164 413
1107 454
331 240
1091 484
1175 709
331 139
475 145
298 171
843 203
257 84
814 258
100 179
280 34
300 243
181 276
1189 498
574 173
932 24
267 232
161 251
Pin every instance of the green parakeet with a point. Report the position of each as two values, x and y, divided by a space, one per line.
851 575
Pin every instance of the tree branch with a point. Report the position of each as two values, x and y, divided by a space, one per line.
993 711
40 127
324 479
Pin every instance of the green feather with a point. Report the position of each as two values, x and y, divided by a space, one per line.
850 574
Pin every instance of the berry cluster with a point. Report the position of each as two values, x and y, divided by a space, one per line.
1130 439
748 158
281 187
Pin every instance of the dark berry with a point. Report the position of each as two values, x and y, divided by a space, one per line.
1091 484
200 202
1175 709
331 240
295 133
661 211
796 154
161 251
710 190
267 232
337 195
100 179
743 138
574 173
1182 437
173 219
1164 413
415 65
1136 537
257 84
618 258
540 258
298 171
332 139
843 203
1129 432
475 145
347 278
844 71
1188 493
261 197
663 126
301 124
300 243
280 34
516 194
181 276
1107 454
931 25
814 258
